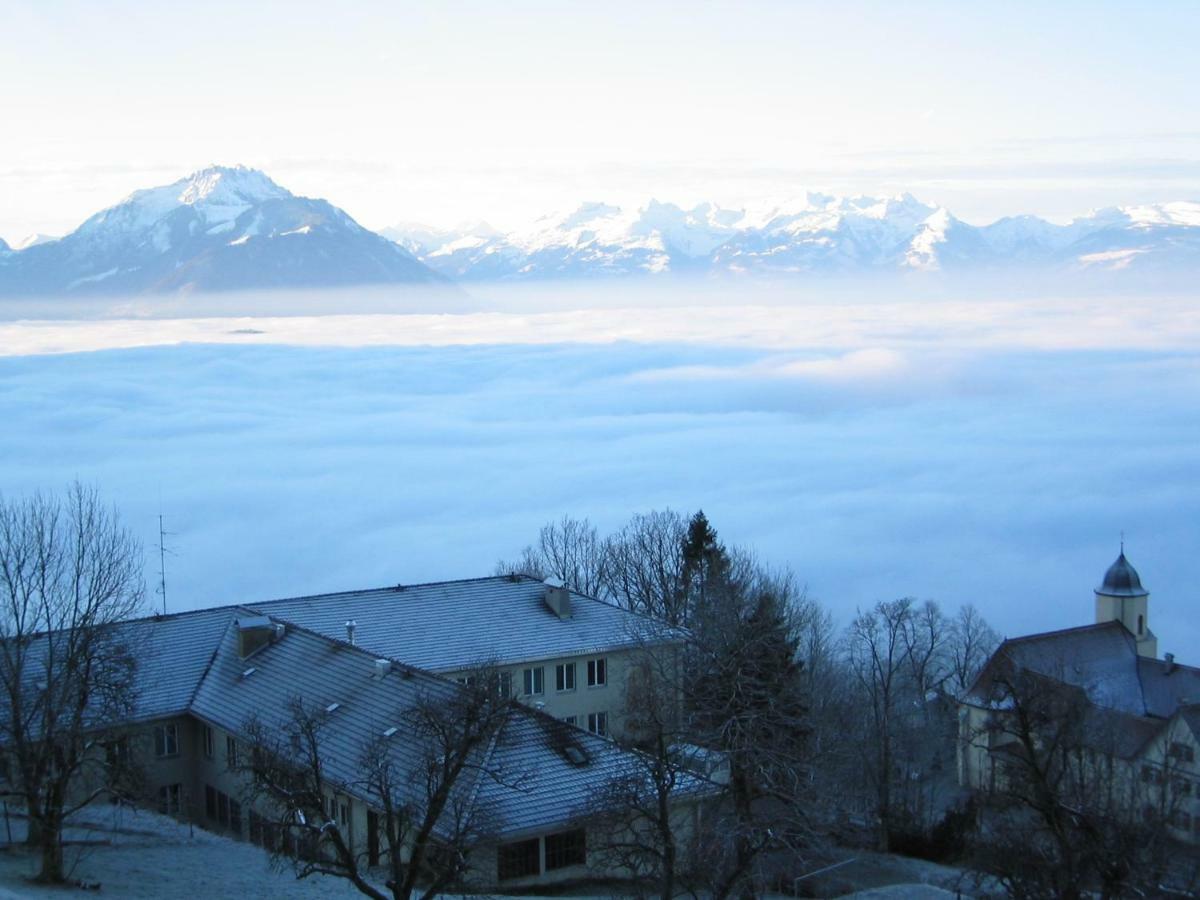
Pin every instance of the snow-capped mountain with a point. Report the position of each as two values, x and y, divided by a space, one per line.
814 234
32 240
218 229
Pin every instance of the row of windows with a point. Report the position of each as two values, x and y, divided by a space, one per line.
597 722
564 677
522 859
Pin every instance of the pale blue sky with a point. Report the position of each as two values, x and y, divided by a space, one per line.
436 112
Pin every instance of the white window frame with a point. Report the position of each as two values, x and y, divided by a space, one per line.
170 798
166 740
564 677
534 681
597 675
231 751
597 723
210 742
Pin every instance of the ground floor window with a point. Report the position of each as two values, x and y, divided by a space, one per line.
598 723
519 859
567 848
169 798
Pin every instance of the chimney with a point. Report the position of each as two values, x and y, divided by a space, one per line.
557 597
382 667
350 626
1170 658
254 633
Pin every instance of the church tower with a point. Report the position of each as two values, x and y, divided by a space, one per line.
1121 598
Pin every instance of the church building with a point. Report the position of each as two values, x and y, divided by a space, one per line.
1137 715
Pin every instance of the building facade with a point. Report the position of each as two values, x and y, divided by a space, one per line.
1130 720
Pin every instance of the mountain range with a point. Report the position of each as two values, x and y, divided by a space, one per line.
235 229
816 234
218 229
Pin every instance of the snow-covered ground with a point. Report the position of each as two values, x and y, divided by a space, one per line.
138 854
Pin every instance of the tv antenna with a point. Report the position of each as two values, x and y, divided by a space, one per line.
162 561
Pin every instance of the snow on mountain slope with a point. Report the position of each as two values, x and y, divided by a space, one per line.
32 240
810 234
218 229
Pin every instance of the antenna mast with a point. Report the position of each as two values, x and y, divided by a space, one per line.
162 563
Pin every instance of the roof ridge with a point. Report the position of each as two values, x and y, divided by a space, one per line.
398 588
1094 626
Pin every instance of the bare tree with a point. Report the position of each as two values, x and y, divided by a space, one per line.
1067 813
429 816
570 550
878 658
634 817
971 643
69 573
645 571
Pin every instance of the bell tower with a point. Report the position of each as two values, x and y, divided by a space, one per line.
1121 598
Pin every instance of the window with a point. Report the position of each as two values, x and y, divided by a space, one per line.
597 672
535 681
222 807
598 723
567 848
231 752
345 816
209 742
506 684
1141 623
166 740
210 801
564 677
169 797
571 720
518 859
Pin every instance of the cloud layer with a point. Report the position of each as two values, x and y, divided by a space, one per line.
995 461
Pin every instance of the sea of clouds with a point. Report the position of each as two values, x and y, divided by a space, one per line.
987 451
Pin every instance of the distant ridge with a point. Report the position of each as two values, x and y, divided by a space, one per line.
222 228
817 234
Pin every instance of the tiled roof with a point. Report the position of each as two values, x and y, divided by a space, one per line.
539 787
190 662
1100 659
452 625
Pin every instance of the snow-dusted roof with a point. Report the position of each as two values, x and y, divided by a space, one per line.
540 789
451 625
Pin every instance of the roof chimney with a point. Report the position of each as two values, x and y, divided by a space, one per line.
557 597
382 667
254 633
1170 659
350 626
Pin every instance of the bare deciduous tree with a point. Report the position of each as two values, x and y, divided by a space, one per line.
634 818
570 550
1068 814
645 570
972 642
429 817
69 572
878 658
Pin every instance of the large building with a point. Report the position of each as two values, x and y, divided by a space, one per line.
1139 715
364 658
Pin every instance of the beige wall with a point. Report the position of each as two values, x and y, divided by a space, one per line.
1160 776
582 700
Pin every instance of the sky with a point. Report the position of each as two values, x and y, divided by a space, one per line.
964 450
441 112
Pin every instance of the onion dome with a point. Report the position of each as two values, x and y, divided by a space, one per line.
1121 580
